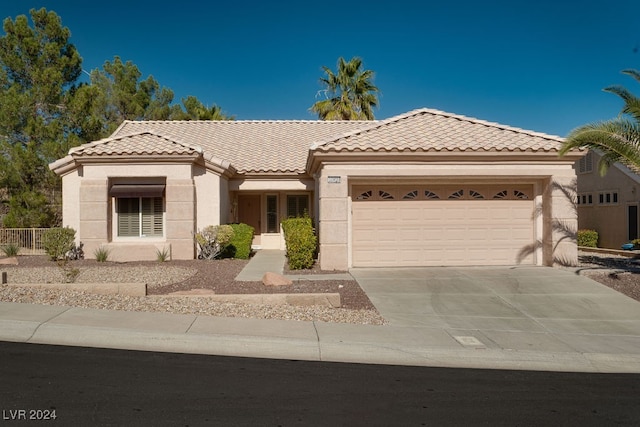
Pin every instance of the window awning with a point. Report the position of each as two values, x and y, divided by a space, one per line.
136 190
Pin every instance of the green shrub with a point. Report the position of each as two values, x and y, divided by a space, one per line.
58 241
239 246
588 238
212 240
11 249
101 253
636 243
301 241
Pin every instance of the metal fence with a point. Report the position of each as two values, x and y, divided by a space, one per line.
28 239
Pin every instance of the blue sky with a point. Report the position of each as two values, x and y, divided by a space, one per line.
539 65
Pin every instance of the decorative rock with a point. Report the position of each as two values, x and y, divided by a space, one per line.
9 261
274 279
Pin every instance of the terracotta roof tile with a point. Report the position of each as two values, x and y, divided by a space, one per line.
250 146
283 146
141 143
433 130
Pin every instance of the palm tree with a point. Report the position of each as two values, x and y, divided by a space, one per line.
617 139
350 93
194 109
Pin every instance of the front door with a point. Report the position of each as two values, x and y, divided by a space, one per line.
249 213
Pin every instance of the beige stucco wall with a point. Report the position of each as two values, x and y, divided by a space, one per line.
211 198
180 217
609 220
94 214
560 221
88 209
335 203
70 197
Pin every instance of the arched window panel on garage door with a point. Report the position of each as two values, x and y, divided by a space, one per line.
428 194
385 195
457 194
475 194
371 193
500 195
411 195
436 192
364 195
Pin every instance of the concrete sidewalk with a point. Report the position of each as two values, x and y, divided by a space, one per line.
534 318
281 339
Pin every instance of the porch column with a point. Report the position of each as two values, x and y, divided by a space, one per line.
180 217
94 214
560 222
333 221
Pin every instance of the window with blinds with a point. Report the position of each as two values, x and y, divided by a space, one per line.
140 216
297 205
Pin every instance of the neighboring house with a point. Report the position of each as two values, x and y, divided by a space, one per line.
608 204
420 189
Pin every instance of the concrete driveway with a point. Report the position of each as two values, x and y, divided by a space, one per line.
516 308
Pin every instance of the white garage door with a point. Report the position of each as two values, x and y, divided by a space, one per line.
441 225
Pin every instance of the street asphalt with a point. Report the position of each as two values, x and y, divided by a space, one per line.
521 318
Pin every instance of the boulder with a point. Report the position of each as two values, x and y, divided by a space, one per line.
275 279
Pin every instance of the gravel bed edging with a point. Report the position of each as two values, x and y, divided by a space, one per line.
163 278
129 289
328 299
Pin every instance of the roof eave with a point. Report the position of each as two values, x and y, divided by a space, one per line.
63 166
288 174
316 158
136 158
219 166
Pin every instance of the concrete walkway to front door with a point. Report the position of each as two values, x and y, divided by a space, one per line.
273 260
262 261
509 308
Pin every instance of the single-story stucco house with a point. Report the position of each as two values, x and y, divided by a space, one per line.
608 204
425 188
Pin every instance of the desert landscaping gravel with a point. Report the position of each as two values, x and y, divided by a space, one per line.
164 278
619 273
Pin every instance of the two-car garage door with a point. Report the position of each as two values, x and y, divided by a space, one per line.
442 225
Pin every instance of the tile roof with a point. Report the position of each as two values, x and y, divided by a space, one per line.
250 146
140 143
282 146
432 130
